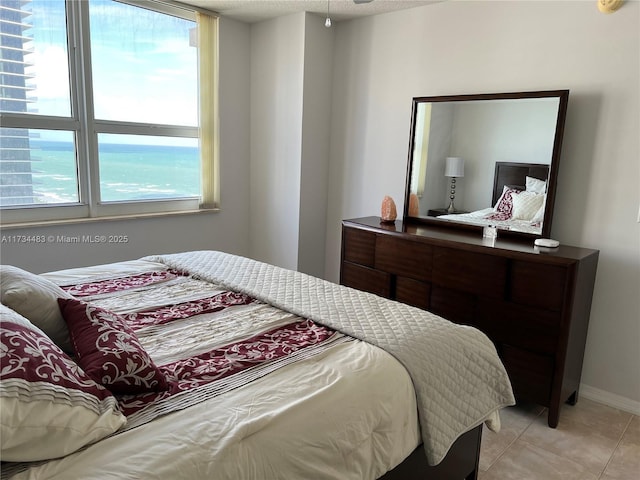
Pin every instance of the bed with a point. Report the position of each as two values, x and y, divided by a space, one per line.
518 198
210 365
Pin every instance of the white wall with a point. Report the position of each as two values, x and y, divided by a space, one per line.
277 73
227 230
318 72
381 62
291 61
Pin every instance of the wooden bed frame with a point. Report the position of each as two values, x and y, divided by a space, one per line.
461 462
514 175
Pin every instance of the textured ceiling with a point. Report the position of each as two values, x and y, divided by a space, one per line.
251 11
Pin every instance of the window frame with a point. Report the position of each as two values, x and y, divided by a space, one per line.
86 128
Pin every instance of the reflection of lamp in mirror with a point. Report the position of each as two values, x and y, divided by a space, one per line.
454 168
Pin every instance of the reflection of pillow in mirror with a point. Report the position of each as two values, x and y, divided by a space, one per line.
539 216
504 190
526 205
535 185
505 202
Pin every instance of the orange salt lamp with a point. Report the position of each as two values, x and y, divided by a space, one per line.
388 211
414 205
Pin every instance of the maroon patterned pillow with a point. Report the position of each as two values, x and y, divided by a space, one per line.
108 350
505 203
48 406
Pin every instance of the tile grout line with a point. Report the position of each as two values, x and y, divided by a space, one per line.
617 446
595 475
502 454
514 440
554 453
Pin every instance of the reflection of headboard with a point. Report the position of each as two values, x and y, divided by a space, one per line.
513 175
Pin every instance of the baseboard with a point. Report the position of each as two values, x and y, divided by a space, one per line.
610 399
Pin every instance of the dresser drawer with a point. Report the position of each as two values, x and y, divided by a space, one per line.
366 279
359 246
530 373
413 292
454 305
403 257
529 328
538 284
470 272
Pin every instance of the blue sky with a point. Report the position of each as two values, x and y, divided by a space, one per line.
139 63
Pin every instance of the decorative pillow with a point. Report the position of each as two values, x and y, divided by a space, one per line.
48 406
526 205
505 202
535 185
35 298
539 216
108 350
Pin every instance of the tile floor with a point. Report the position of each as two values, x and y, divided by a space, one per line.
592 442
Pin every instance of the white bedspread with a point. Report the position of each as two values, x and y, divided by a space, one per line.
458 377
364 423
346 414
479 217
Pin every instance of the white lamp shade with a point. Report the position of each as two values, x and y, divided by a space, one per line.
454 167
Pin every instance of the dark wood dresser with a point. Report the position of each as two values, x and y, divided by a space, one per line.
534 303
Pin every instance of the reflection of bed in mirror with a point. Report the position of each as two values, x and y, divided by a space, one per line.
518 199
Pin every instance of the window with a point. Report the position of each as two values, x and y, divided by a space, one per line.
107 107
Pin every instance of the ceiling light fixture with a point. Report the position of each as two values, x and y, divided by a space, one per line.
327 22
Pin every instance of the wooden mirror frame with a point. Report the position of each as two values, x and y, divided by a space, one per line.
563 97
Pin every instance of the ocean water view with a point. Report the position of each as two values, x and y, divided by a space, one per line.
127 171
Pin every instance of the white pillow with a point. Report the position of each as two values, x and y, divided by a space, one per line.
36 299
48 406
535 185
539 216
526 205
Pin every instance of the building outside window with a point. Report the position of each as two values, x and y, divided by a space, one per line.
106 108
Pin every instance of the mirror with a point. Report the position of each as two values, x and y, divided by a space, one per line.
486 160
